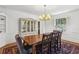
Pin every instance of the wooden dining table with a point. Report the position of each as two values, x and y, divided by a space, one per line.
33 40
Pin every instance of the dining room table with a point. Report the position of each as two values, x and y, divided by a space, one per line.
33 40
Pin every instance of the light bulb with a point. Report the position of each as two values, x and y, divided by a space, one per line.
43 15
40 17
48 16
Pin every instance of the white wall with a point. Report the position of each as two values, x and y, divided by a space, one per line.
47 26
72 27
12 17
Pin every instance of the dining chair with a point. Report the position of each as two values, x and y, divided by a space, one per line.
46 44
21 47
57 40
53 43
39 48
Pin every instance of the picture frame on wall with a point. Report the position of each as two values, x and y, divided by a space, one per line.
2 23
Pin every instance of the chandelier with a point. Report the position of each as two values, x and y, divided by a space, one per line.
45 16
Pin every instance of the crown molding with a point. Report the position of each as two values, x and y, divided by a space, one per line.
66 11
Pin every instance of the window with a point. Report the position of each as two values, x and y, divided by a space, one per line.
32 26
34 23
27 25
2 23
61 23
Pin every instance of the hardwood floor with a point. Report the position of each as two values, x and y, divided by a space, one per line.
9 49
68 47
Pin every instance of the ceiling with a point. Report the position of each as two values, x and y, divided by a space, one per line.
39 9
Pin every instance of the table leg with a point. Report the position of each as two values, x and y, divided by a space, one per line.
33 49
